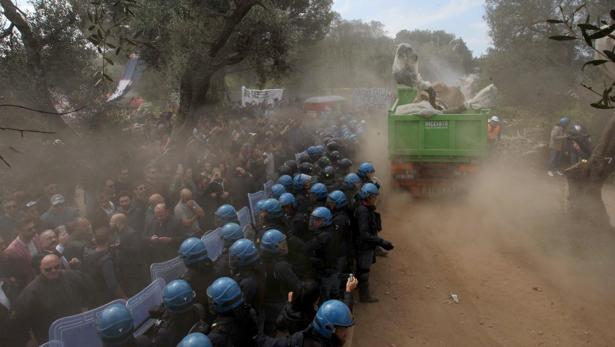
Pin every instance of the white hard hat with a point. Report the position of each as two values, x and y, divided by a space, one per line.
494 119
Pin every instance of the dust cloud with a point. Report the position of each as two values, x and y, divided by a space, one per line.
511 208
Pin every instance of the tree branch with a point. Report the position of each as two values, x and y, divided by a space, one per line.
240 12
43 112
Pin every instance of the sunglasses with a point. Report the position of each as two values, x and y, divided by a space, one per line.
49 269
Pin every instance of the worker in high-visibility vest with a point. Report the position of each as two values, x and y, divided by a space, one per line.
494 130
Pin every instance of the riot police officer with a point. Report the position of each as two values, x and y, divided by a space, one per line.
199 268
273 218
277 190
302 183
343 167
248 272
369 224
366 172
351 188
225 214
338 204
230 233
328 329
235 323
115 327
324 251
182 314
280 277
299 234
318 195
287 182
292 164
327 177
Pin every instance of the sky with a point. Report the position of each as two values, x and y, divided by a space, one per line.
463 18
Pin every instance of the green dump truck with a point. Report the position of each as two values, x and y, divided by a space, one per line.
433 156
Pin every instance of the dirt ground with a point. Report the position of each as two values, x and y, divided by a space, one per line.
522 276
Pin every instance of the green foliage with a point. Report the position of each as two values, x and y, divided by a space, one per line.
66 56
530 70
580 24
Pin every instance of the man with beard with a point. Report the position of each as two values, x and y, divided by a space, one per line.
134 214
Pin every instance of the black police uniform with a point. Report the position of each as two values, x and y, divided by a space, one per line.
369 224
325 252
280 279
303 201
200 277
251 279
344 238
273 223
237 328
305 338
221 265
175 326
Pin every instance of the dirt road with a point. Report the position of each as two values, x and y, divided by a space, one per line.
521 280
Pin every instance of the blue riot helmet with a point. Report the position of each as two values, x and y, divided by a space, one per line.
344 163
365 170
321 216
115 324
337 199
230 233
195 340
273 242
314 152
303 157
193 251
287 182
272 209
301 182
225 214
319 191
243 253
564 121
368 190
331 314
277 190
352 180
287 199
178 296
224 295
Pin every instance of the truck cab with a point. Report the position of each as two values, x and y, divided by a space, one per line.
434 155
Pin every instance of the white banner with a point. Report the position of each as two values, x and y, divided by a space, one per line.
268 96
372 96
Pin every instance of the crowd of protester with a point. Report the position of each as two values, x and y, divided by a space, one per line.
287 280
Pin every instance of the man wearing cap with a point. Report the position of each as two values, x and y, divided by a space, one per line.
58 214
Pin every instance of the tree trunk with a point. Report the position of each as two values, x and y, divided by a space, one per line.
585 202
586 179
42 98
